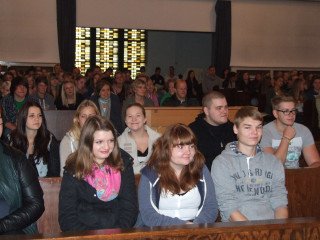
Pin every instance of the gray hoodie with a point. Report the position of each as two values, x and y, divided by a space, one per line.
255 186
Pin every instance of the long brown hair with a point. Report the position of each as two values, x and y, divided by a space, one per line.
177 134
80 162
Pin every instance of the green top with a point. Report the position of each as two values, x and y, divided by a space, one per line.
19 104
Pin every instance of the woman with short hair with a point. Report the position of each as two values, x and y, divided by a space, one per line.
108 104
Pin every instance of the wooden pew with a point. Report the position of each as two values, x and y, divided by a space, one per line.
286 229
159 118
48 222
303 187
59 122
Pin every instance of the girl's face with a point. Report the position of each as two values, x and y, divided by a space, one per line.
135 119
105 92
103 145
85 113
140 90
181 155
68 89
34 118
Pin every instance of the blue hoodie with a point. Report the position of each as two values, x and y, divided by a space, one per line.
255 186
148 195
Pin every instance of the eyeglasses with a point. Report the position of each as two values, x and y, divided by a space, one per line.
288 112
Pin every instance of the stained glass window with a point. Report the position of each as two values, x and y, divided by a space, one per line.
115 48
134 49
82 58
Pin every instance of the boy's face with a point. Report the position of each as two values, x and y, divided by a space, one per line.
282 117
217 113
249 132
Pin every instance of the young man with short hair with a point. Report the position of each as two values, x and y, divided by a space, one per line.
211 81
286 139
212 127
249 184
45 100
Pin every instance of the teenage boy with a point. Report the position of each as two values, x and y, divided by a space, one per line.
249 184
286 139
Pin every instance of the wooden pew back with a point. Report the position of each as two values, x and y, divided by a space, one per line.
159 118
303 186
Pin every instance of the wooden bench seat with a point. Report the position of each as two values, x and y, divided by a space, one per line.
303 187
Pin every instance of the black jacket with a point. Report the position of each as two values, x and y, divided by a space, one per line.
54 158
60 106
81 209
18 177
211 140
173 101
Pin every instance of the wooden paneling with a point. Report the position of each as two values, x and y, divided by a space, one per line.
303 187
159 118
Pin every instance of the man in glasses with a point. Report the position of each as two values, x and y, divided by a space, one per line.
286 139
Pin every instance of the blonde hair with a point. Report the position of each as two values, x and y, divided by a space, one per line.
247 111
63 93
75 128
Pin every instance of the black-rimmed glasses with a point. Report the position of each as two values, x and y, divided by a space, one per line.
288 112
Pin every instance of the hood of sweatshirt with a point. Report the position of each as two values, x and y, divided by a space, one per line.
251 180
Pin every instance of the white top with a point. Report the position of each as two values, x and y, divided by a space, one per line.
68 145
184 207
42 168
128 144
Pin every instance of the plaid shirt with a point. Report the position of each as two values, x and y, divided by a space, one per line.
9 109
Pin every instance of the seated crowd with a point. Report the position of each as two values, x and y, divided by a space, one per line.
187 174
